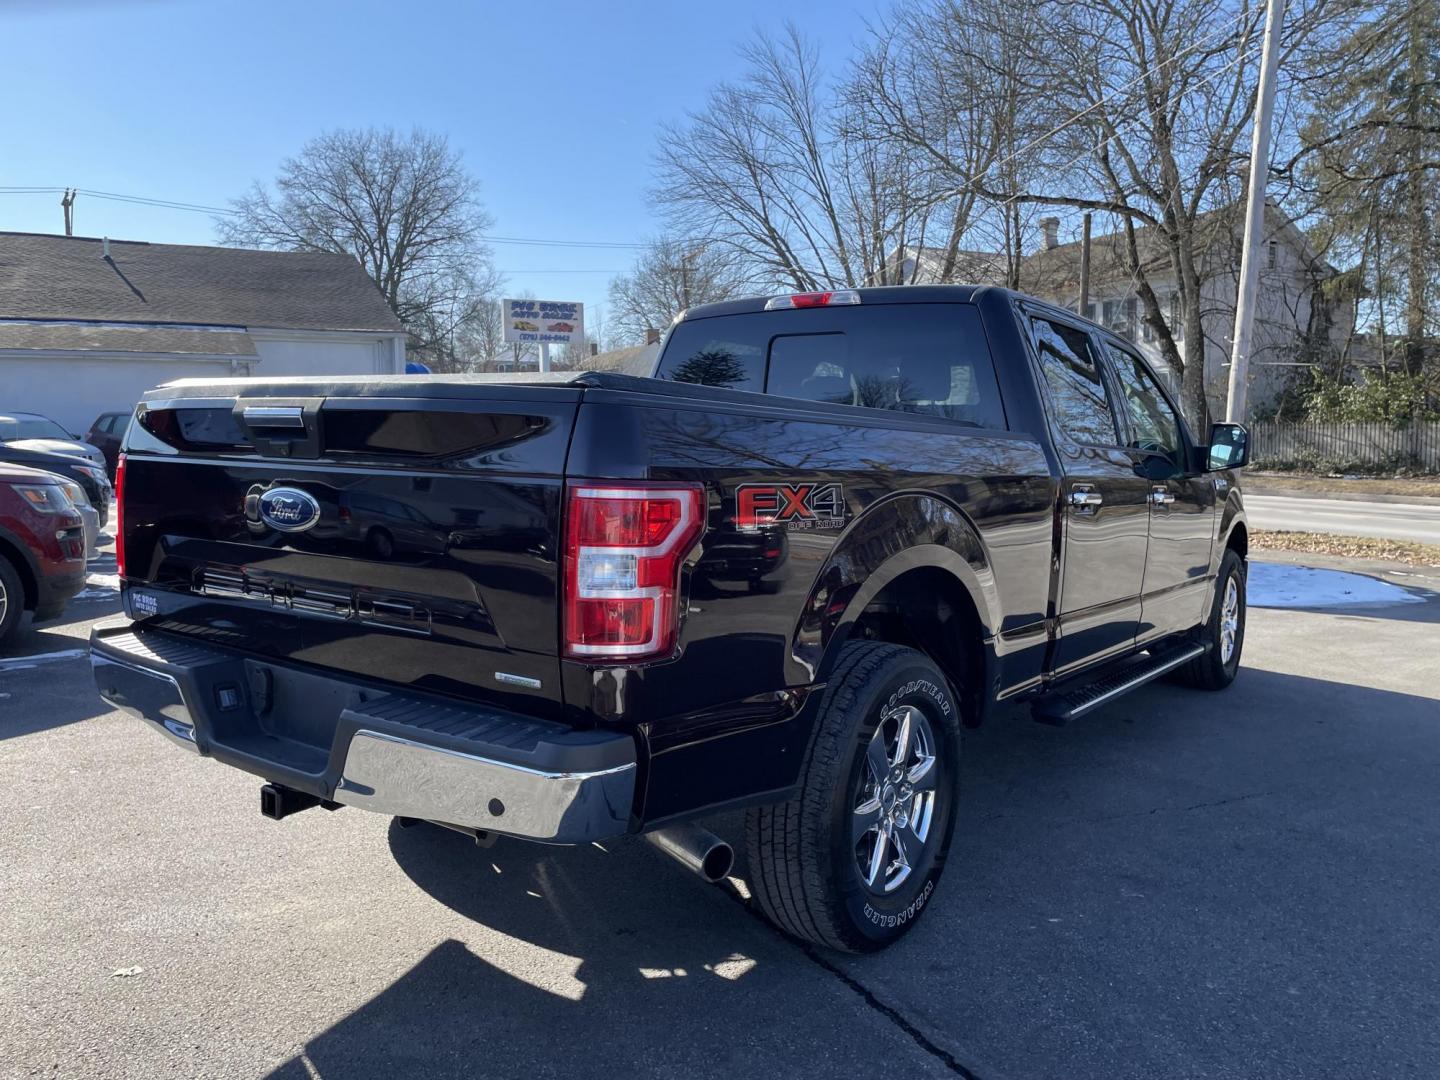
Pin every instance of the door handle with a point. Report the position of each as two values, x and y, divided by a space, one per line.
1161 497
1084 497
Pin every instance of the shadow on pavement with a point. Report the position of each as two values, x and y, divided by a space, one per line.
670 978
1183 883
47 696
1192 884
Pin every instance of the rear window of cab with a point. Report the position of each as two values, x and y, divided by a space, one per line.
928 359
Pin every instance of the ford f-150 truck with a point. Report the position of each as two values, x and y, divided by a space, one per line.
782 575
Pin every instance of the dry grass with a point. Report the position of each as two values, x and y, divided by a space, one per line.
1354 547
1259 483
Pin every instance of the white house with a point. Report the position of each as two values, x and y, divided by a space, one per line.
87 325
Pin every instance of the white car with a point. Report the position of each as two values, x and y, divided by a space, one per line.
31 431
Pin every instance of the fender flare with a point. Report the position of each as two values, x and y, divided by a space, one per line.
1232 516
902 532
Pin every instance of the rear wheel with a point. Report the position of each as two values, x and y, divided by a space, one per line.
852 861
1223 632
12 599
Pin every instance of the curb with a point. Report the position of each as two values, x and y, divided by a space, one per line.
1262 489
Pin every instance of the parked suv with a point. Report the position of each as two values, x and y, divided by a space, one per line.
42 547
105 435
90 476
31 431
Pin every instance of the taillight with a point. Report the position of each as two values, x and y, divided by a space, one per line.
120 517
833 298
624 546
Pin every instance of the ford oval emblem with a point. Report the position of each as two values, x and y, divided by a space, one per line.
289 509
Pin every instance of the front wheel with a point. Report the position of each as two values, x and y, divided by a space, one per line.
12 599
1223 632
853 859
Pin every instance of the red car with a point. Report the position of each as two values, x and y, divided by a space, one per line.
42 547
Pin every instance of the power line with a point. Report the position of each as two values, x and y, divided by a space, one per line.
202 208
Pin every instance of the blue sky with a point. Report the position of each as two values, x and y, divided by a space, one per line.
553 105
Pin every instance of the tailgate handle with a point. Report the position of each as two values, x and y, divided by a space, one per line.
275 416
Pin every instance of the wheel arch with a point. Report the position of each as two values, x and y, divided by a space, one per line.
913 570
16 554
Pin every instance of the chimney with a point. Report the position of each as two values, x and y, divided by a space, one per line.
594 348
1050 226
652 336
105 248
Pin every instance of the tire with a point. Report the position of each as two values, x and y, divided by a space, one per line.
381 545
1214 670
12 600
806 855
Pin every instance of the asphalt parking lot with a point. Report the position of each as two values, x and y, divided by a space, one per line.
1232 885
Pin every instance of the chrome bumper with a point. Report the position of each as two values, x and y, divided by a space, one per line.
393 775
385 766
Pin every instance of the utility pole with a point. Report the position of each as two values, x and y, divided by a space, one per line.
67 203
1085 266
1254 216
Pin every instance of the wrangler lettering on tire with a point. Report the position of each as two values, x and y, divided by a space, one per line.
852 861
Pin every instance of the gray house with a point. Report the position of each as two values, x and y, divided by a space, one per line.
87 325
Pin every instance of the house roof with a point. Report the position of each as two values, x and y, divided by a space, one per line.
115 338
1051 271
66 278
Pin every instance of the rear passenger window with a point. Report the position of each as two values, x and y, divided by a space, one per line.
927 359
1076 389
712 353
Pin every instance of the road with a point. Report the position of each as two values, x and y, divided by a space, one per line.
1184 884
1394 521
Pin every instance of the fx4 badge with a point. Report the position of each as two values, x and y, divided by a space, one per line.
794 506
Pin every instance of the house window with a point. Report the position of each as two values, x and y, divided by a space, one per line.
1119 316
1272 255
1176 318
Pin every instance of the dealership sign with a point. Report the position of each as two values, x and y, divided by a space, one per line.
543 322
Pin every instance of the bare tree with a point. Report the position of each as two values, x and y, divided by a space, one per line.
669 276
775 169
954 86
403 205
1136 108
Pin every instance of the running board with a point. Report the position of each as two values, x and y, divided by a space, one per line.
1063 706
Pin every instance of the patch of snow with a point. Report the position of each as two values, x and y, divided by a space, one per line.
20 663
1276 585
103 581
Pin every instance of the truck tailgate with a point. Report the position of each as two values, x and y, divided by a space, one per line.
410 540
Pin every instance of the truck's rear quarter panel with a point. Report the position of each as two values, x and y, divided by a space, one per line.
713 723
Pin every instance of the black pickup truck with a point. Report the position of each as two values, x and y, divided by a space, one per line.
781 575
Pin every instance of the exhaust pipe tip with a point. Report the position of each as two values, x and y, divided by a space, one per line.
698 850
718 862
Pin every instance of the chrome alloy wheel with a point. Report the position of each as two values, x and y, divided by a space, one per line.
4 602
895 804
1229 620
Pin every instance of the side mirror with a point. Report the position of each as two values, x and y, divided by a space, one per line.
1229 447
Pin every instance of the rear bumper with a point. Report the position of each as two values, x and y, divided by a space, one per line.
400 754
